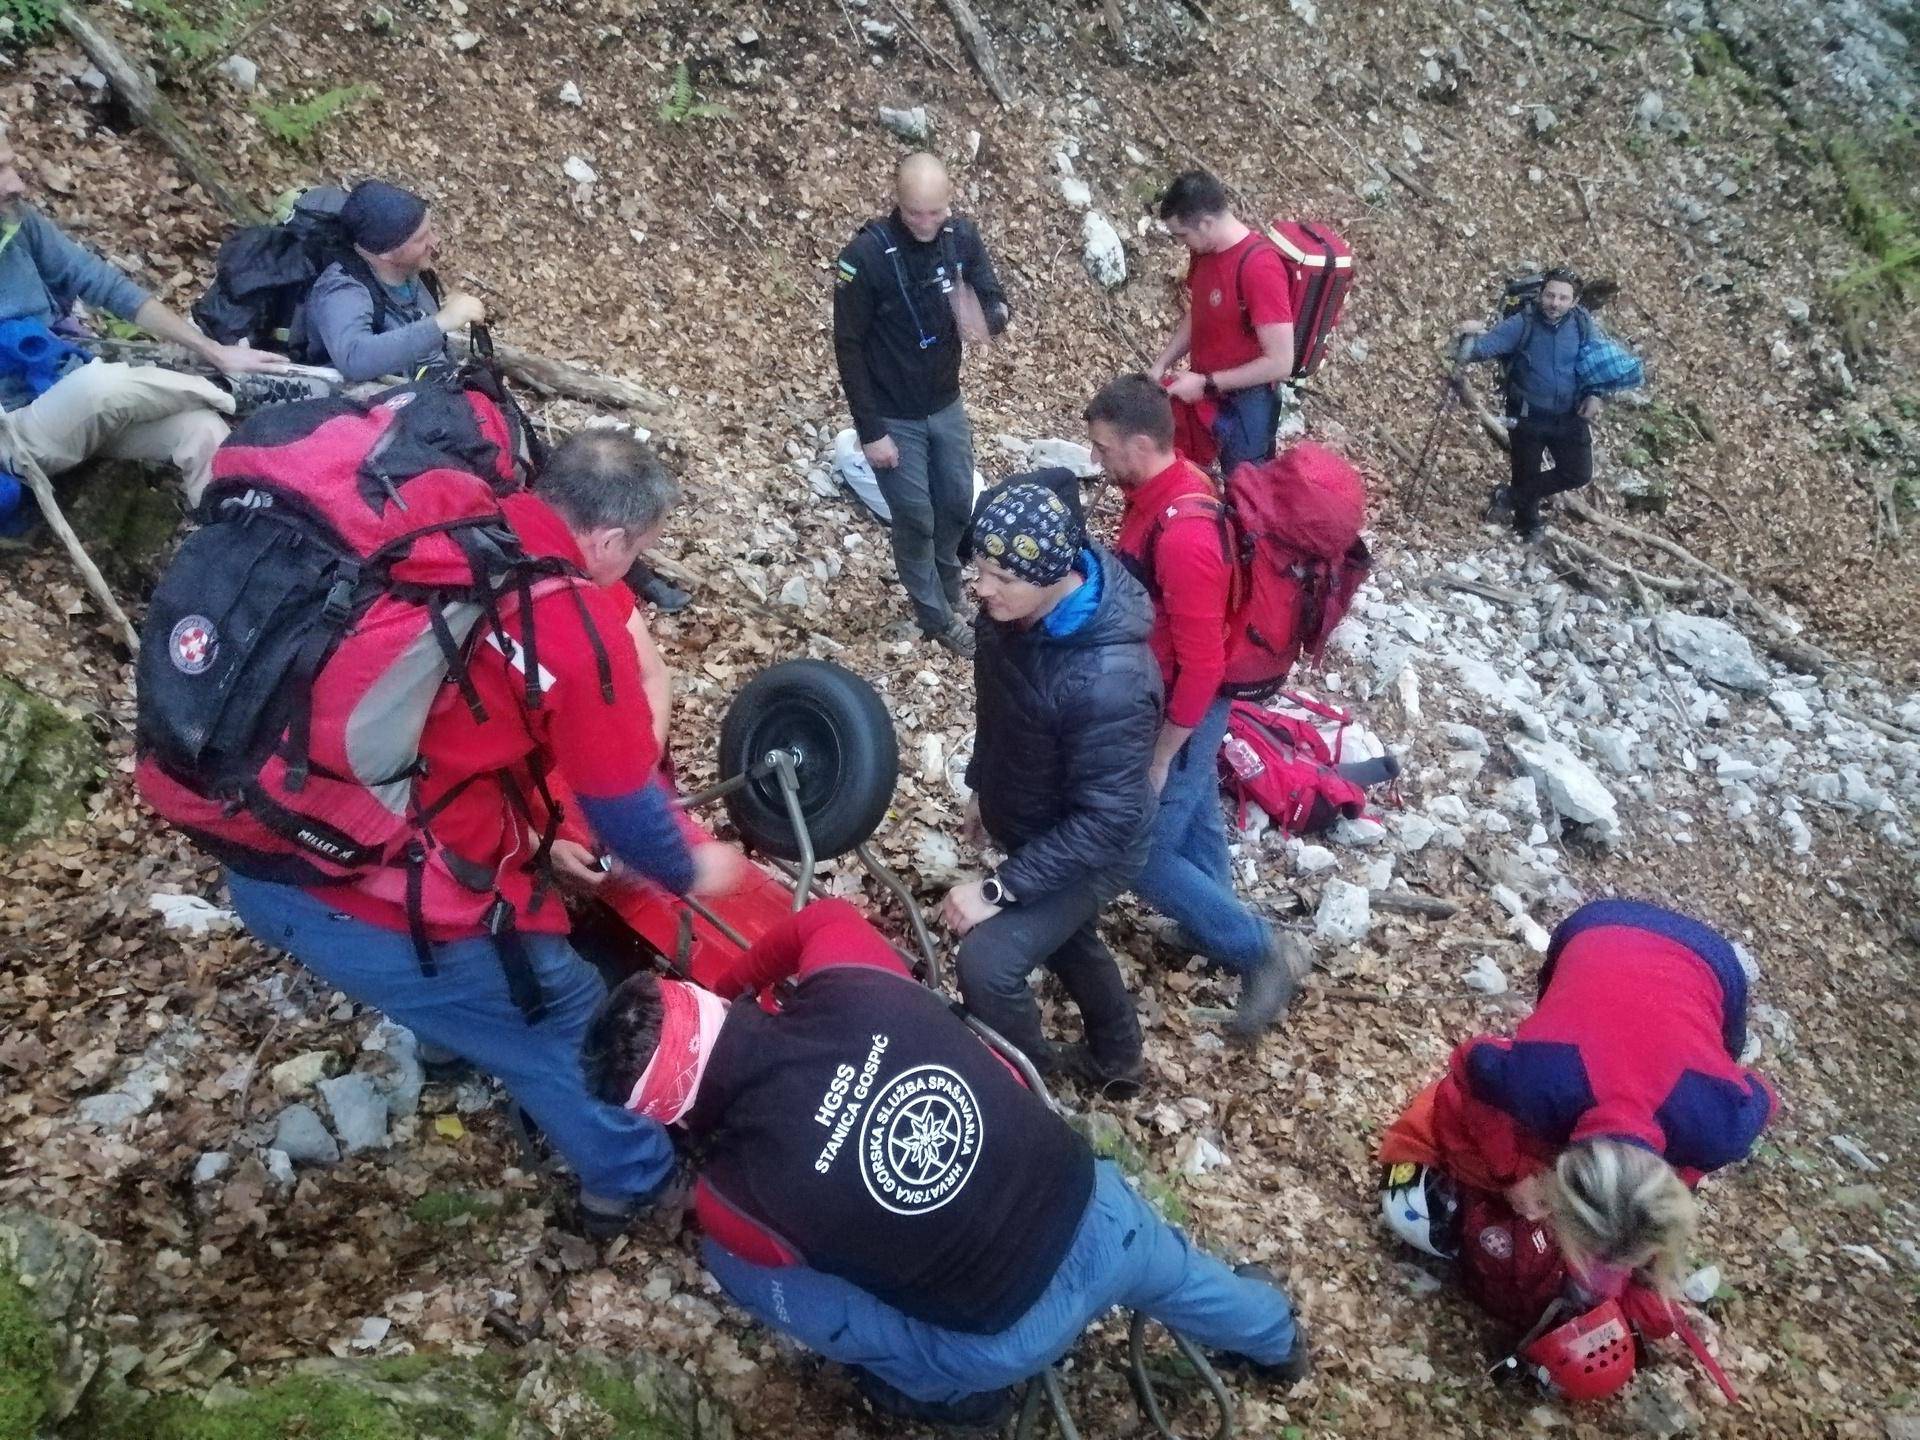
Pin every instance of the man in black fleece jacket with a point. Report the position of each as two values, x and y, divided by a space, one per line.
909 289
1068 701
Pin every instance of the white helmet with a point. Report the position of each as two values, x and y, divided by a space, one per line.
1422 1206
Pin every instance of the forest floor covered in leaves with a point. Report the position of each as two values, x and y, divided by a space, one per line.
1754 211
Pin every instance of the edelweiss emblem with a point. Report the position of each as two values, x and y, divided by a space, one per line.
920 1141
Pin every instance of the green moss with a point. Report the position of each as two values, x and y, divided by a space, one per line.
26 1362
127 514
634 1416
1880 224
444 1207
1110 1142
297 1407
49 761
24 21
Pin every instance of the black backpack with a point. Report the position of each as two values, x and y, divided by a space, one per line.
264 273
1522 295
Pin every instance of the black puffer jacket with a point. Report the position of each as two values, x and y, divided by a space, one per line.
1066 732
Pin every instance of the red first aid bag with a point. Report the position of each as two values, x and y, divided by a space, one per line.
1319 274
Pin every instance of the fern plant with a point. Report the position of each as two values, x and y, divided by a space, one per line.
680 106
24 21
188 45
299 122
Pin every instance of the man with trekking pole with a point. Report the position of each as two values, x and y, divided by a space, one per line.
1558 364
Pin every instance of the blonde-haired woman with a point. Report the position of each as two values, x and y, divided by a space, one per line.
1596 1119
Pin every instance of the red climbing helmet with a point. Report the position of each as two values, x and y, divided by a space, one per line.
1588 1358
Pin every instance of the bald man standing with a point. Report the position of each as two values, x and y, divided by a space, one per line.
910 289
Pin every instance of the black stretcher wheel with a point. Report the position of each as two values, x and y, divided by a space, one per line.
847 758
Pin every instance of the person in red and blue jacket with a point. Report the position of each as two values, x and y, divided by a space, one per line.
518 1013
1604 1109
879 1184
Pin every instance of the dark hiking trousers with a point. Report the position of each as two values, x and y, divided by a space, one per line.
1569 440
930 495
1057 931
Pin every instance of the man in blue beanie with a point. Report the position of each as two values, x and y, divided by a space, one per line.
373 310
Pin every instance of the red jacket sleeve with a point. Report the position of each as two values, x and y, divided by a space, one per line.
603 748
1196 582
824 933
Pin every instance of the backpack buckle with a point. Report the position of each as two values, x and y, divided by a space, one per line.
339 602
499 917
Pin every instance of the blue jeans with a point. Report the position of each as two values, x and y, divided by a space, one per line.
1122 1254
619 1157
1246 427
1189 874
930 497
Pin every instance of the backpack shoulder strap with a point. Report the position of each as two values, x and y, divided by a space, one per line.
1192 506
1239 278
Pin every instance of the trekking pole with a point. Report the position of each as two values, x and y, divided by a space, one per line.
1449 396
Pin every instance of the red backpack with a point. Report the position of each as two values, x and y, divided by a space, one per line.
352 554
1319 269
1292 528
1282 764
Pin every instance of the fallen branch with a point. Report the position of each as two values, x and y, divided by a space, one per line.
1405 902
253 1069
1497 593
1771 617
145 103
1116 24
918 38
1405 177
23 461
1878 726
1664 584
859 45
979 46
549 376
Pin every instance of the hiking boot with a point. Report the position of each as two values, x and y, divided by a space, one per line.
257 389
660 1216
1266 993
957 637
1298 1364
667 599
439 1066
1171 934
1109 1081
1499 504
1530 532
981 1414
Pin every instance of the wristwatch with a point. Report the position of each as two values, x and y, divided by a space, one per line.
1209 388
994 893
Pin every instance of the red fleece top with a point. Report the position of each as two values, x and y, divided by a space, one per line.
1644 1014
1188 574
600 749
1223 337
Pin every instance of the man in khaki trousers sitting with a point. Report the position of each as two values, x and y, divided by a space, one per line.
92 407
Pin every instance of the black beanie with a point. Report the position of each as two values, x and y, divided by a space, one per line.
379 217
1028 531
